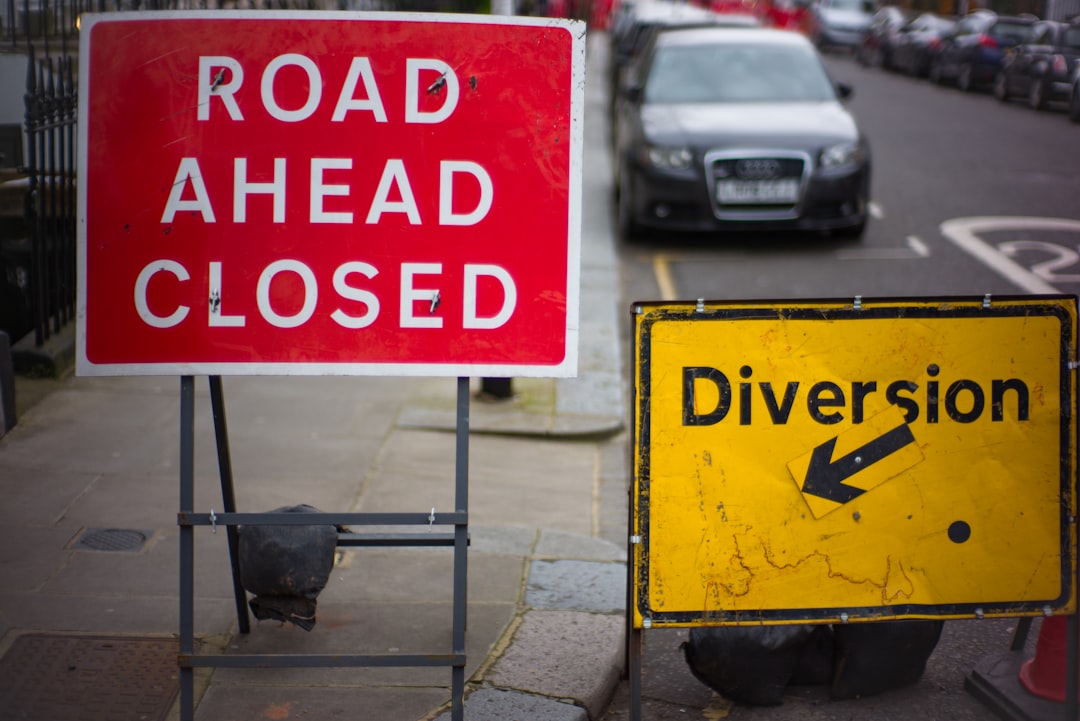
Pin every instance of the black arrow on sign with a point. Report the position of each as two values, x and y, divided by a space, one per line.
825 477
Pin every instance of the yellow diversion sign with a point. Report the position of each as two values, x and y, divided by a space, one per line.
835 460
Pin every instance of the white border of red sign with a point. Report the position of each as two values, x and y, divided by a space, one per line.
566 368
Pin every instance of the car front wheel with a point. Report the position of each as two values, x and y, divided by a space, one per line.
934 73
1037 94
628 228
1001 88
963 77
1074 104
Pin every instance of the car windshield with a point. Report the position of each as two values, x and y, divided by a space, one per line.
864 6
737 73
1012 31
1072 38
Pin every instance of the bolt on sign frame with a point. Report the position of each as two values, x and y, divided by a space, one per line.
304 193
842 461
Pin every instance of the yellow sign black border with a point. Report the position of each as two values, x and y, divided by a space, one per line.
646 315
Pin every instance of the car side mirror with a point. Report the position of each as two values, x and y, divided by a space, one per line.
844 91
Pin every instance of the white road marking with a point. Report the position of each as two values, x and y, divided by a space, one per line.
920 248
914 249
964 232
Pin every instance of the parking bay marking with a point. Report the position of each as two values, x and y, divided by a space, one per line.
914 248
964 233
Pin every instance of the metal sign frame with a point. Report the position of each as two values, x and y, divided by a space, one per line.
335 270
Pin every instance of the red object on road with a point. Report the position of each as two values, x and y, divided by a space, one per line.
1044 674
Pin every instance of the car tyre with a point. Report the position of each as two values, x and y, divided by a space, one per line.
963 77
855 232
629 229
1074 104
934 73
1037 94
1001 87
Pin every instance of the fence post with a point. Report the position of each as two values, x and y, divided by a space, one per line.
7 385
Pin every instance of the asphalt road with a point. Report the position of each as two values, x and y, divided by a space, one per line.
948 167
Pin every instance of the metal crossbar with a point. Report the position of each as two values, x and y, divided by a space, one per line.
188 519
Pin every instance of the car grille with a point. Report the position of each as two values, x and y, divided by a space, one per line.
764 185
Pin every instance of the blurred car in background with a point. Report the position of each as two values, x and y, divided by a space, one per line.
879 40
1041 68
782 14
972 53
1074 97
648 17
734 129
632 25
919 41
838 23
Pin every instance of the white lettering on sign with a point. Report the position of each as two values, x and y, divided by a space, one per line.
394 180
331 200
218 85
417 304
242 189
314 88
143 281
360 70
217 318
222 77
369 299
472 275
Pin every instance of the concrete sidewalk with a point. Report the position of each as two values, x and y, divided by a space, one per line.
89 552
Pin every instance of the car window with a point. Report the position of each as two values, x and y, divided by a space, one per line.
1012 31
1072 37
861 5
737 73
1036 34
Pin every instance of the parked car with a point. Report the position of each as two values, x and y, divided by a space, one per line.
649 18
1041 68
838 23
782 14
632 26
879 40
971 55
919 40
729 129
1074 97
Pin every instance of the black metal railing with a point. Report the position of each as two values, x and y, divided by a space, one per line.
47 32
51 113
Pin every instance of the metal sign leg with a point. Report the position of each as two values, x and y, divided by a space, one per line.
228 496
187 545
461 545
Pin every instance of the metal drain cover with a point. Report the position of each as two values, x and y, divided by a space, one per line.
113 539
89 678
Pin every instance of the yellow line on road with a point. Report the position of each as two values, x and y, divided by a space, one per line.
664 281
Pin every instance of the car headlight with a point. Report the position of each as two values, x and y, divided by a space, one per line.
668 158
842 155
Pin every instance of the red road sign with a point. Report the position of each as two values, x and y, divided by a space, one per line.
309 193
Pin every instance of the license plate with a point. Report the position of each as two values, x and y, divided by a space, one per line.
785 190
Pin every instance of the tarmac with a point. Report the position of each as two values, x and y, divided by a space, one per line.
89 542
